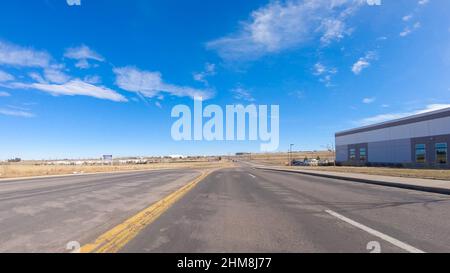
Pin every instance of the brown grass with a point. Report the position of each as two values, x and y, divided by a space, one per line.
29 170
282 158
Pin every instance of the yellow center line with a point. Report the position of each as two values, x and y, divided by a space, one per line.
116 238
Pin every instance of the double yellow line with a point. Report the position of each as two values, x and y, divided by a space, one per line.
116 238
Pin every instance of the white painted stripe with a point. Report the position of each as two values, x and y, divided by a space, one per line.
378 234
252 175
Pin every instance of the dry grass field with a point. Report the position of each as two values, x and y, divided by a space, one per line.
14 170
283 158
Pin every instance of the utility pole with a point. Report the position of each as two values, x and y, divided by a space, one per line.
290 154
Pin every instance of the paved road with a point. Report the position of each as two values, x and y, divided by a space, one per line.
248 210
43 215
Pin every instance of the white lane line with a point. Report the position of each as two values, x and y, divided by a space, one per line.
252 175
378 234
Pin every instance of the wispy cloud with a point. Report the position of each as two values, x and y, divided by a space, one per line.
324 73
151 84
16 113
4 77
363 62
73 2
4 94
210 70
392 116
240 93
50 77
408 30
279 26
36 77
14 55
56 76
369 100
83 54
408 18
93 79
73 88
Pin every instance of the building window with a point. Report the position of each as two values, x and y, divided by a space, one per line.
441 153
421 153
352 154
362 154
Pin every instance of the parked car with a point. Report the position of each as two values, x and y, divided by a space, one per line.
298 163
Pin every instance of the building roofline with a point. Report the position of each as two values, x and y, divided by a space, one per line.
397 122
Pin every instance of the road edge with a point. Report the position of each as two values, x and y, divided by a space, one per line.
367 181
12 179
116 238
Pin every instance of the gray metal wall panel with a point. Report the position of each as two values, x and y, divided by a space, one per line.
414 130
342 153
394 151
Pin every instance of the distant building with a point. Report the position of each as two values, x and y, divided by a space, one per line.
177 156
419 141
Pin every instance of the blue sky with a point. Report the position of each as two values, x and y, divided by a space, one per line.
102 77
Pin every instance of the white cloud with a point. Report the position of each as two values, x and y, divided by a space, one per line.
392 116
279 26
407 18
56 76
319 69
369 100
363 62
73 88
4 94
83 54
359 66
325 73
333 30
14 55
409 30
15 113
405 32
52 79
150 84
18 56
83 64
36 77
74 2
240 93
210 70
4 77
93 79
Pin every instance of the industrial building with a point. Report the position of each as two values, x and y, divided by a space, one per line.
418 141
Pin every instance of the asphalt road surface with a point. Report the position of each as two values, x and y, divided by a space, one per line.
248 210
44 214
